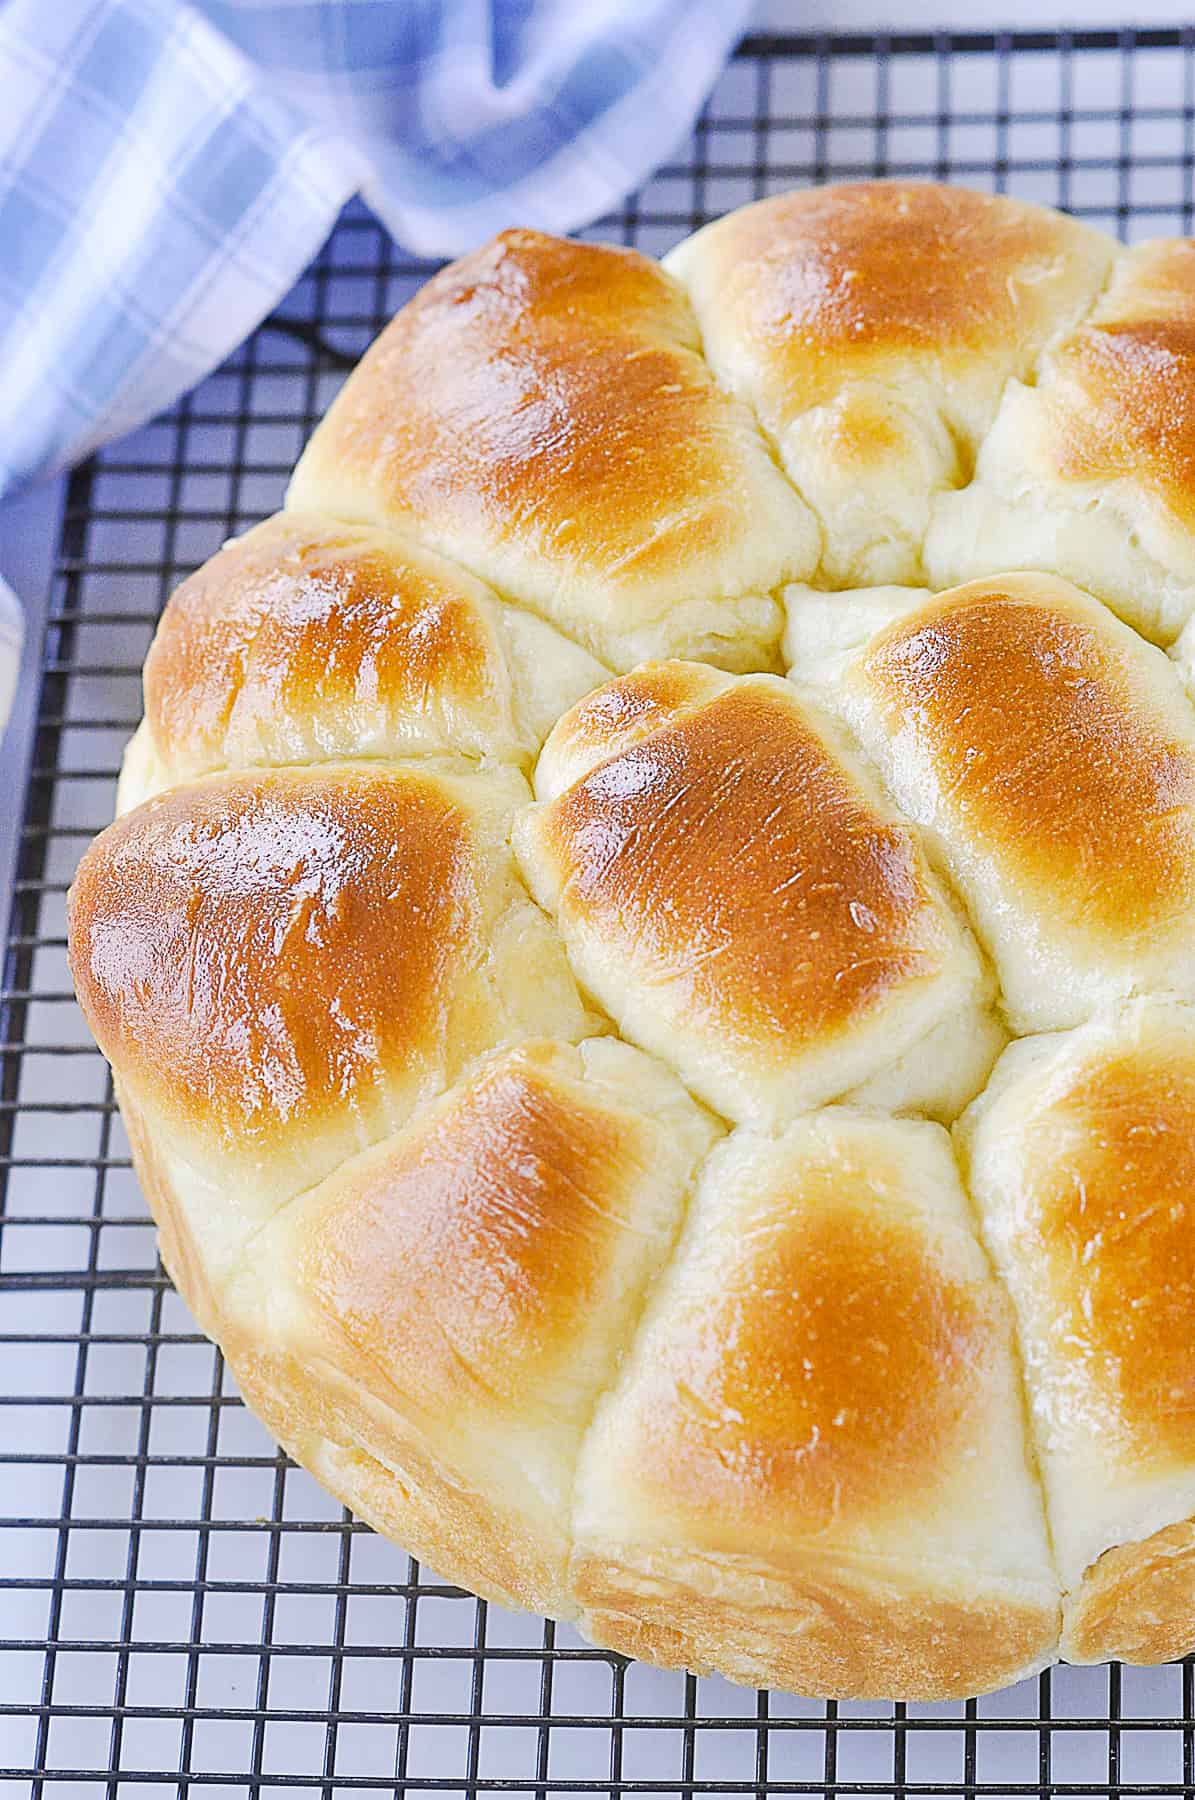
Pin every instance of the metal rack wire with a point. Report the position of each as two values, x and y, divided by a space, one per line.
180 1607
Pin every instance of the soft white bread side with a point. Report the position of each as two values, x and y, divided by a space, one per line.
541 412
1048 754
438 1318
872 327
812 1472
1091 471
1082 1161
732 886
311 641
282 966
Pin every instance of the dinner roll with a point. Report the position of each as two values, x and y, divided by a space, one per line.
311 641
542 413
733 887
812 1471
282 966
1048 754
1091 470
535 1017
872 327
1082 1160
449 1305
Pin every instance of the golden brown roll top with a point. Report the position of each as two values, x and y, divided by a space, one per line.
872 328
449 1305
541 412
1082 1160
1049 755
280 966
1091 472
812 1471
733 888
311 641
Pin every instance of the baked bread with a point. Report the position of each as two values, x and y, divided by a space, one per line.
560 945
1082 1162
1087 470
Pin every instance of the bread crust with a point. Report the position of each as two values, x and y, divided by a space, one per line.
766 1374
1136 1603
844 1629
827 953
541 412
838 313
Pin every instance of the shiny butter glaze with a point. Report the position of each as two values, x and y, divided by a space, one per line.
828 285
256 950
1105 1224
620 714
1120 397
731 855
552 394
260 957
462 1261
1048 751
304 634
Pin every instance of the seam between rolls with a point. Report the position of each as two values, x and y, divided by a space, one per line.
769 443
411 535
634 1331
1028 1426
1084 315
1030 380
966 455
469 770
589 1001
956 901
474 763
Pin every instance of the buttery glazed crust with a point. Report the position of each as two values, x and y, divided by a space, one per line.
309 641
825 955
839 315
1121 403
809 1394
821 1419
1082 1160
1049 755
453 1301
541 412
283 964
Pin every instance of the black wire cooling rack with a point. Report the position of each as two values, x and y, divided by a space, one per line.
181 1608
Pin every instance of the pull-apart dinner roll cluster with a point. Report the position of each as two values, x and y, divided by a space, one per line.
657 1029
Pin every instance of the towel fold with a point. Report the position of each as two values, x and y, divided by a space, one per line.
167 169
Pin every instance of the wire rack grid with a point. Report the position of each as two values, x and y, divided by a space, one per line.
181 1609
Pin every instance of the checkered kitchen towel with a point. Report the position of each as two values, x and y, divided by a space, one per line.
168 167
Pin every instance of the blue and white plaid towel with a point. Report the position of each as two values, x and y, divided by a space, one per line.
167 169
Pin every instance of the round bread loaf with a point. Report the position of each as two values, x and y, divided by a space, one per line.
560 945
